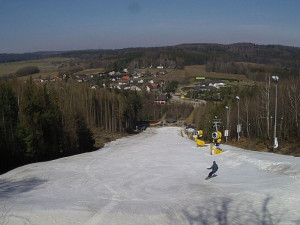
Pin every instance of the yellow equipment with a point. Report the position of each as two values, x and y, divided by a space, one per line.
199 139
214 148
215 151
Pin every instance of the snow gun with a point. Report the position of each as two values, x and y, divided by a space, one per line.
199 139
215 147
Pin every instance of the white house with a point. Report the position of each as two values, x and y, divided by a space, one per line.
217 84
135 76
112 73
135 88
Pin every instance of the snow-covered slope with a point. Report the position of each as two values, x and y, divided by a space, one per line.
156 177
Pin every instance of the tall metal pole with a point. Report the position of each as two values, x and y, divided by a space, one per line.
227 122
238 126
276 78
275 117
238 119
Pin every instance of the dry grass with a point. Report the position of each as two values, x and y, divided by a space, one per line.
87 71
47 64
103 136
254 144
257 65
189 73
199 70
45 75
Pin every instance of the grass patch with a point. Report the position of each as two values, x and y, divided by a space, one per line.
285 148
45 65
199 71
103 136
90 71
189 73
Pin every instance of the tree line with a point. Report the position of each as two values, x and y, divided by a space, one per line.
252 71
46 122
39 123
256 107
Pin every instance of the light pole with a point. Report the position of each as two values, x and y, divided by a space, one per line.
238 128
227 123
276 79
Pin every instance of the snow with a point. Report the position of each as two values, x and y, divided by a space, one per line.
156 177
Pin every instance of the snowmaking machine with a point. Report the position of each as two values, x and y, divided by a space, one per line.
199 139
216 136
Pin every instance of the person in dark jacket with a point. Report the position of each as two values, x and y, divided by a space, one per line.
213 168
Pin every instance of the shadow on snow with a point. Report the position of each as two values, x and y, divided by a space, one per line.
10 188
225 212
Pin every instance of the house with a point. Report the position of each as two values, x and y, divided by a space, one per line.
125 87
135 76
95 87
149 88
217 84
113 78
214 83
135 88
125 77
100 74
156 86
112 73
123 82
161 99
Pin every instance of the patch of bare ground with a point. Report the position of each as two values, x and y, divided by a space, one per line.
285 148
102 136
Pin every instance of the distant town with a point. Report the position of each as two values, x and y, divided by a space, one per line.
140 81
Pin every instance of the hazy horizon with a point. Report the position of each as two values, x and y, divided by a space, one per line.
31 26
161 46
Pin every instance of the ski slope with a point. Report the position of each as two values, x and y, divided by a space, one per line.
156 177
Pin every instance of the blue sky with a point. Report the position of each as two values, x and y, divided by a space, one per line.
41 25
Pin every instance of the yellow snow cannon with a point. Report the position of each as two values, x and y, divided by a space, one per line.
215 150
215 147
199 139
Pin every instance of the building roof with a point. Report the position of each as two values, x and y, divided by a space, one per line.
162 97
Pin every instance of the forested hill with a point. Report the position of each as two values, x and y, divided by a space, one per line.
12 57
200 53
184 54
277 59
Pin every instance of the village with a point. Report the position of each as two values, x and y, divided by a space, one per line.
141 80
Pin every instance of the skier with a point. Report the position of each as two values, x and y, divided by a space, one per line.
214 169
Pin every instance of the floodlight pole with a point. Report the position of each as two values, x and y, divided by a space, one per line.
227 122
276 79
238 133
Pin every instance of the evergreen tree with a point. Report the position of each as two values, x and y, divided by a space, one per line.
10 144
84 136
41 119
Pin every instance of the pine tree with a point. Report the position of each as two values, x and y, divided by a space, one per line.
10 145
